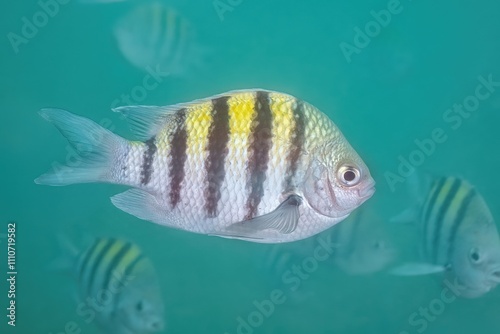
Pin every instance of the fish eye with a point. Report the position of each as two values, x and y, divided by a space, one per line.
474 255
139 306
349 176
378 244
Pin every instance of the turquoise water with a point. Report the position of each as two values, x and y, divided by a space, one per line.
396 89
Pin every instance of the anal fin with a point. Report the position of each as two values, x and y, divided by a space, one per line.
143 205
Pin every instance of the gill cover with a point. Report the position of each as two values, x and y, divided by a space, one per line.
319 192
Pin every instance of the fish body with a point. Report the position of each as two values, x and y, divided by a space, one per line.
459 237
362 245
120 284
254 164
155 35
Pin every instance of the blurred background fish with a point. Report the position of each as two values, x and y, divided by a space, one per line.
361 245
118 287
153 34
458 237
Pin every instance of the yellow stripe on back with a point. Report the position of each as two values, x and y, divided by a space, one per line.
241 114
111 253
100 245
127 259
441 197
198 122
455 204
282 107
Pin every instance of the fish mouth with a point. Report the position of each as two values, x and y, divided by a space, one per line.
367 191
153 326
475 290
495 276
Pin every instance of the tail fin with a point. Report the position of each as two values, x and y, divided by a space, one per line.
96 150
65 263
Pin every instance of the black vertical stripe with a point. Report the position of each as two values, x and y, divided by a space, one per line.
297 144
114 264
131 267
127 277
433 200
218 139
258 152
178 156
97 263
458 221
427 215
86 259
147 160
438 228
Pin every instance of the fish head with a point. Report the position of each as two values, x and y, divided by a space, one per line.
140 309
338 181
476 260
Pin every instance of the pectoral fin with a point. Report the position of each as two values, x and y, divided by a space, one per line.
283 219
416 269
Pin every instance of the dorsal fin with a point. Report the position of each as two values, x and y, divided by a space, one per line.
146 121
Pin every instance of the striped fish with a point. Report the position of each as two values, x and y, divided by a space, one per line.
118 287
155 35
254 164
361 247
459 237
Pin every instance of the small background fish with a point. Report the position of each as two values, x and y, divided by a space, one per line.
361 245
458 236
153 34
117 286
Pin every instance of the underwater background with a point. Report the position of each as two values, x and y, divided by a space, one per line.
384 91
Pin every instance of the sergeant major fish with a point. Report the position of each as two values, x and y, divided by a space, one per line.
253 164
459 237
153 34
123 286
